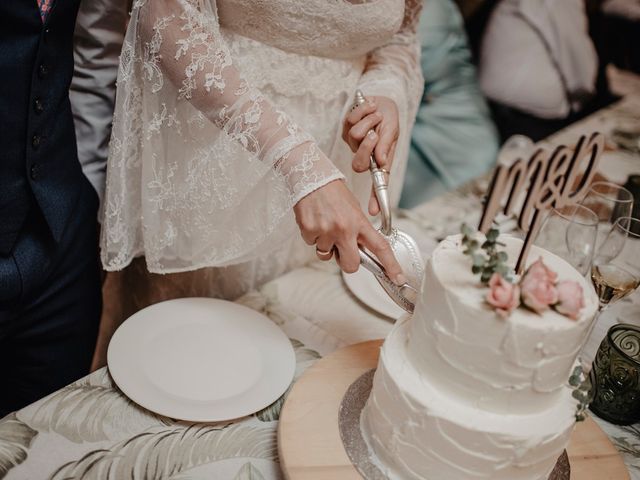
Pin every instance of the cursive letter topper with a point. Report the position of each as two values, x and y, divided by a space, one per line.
547 180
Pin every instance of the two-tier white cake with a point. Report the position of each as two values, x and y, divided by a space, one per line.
461 393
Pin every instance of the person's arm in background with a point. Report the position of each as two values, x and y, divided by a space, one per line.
392 71
563 26
99 33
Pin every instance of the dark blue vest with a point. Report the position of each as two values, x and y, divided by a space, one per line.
39 165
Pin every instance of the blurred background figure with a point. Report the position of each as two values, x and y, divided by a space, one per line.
619 22
454 139
538 65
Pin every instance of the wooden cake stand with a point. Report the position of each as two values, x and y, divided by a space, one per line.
309 440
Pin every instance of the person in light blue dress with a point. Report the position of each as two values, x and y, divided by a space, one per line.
454 138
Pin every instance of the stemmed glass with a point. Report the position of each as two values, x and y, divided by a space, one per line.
570 233
615 272
609 202
616 267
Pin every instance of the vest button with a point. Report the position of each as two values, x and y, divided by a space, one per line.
43 70
38 106
35 171
35 141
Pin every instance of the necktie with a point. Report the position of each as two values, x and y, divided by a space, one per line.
45 8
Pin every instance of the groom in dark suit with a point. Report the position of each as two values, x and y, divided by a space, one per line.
49 270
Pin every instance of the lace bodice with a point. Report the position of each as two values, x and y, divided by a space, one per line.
208 152
325 28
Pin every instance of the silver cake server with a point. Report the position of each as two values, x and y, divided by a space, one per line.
403 295
404 246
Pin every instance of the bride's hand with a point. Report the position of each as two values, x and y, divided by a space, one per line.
373 127
331 217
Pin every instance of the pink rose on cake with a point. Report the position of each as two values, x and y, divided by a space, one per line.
538 287
570 299
539 270
504 296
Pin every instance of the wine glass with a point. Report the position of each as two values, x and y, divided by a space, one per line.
609 202
616 266
615 272
570 233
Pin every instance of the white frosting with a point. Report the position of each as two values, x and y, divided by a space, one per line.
418 432
514 365
461 393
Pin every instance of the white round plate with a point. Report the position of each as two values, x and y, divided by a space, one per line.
366 288
201 359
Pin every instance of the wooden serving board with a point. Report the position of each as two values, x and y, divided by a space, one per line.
309 440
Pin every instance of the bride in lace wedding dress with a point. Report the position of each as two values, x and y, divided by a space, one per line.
228 113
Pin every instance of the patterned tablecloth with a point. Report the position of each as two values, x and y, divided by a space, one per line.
89 430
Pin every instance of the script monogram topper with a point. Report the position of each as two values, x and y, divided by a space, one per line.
550 180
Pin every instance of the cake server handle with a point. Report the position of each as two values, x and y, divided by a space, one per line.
398 293
380 185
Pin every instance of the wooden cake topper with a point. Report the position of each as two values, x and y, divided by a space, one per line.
550 180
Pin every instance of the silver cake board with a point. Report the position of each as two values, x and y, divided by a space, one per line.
357 450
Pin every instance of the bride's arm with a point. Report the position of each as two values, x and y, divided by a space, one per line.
393 70
393 83
184 43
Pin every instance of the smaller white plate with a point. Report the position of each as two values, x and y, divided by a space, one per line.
201 359
366 288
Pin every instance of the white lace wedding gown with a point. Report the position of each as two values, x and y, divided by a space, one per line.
229 112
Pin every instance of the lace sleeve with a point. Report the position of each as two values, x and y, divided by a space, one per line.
203 169
393 70
186 45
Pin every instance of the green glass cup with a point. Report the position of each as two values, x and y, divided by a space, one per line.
615 376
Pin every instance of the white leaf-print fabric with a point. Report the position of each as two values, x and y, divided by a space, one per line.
15 440
249 472
85 412
162 452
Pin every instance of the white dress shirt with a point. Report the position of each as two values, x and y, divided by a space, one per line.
537 57
99 34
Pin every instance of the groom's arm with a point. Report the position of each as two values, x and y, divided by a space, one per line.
99 34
